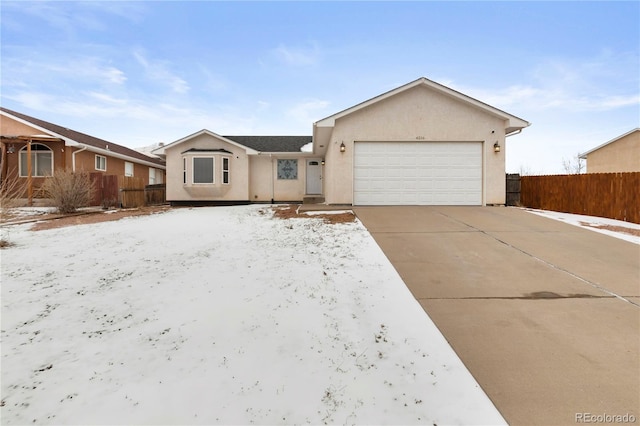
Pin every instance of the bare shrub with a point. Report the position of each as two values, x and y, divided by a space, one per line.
68 190
11 192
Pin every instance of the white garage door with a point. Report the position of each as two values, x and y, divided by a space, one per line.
417 173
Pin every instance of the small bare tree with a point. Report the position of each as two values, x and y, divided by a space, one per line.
574 165
525 170
68 190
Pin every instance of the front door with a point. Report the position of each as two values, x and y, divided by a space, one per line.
314 177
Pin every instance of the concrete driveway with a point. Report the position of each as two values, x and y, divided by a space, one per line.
545 315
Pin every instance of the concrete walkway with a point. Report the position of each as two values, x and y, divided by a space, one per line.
545 315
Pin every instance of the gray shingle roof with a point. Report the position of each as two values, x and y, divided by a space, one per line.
272 143
84 138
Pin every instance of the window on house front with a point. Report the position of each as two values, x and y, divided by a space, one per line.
41 161
203 170
128 168
101 163
225 170
287 169
152 176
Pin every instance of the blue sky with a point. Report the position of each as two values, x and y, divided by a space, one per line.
136 73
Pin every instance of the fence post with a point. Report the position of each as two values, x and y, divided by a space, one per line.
513 189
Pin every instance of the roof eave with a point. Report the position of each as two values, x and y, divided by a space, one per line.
584 155
162 150
97 150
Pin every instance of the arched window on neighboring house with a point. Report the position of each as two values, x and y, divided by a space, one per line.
41 161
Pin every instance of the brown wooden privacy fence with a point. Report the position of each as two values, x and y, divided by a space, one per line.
155 194
106 192
125 191
131 191
611 195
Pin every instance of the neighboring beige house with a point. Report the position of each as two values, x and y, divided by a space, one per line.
621 154
419 144
53 147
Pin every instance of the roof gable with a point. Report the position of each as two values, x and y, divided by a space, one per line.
162 150
73 137
513 123
584 155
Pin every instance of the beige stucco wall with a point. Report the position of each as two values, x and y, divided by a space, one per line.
419 114
236 190
622 155
264 183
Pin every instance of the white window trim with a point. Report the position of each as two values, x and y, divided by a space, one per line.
132 168
22 173
227 171
152 176
105 162
184 171
213 172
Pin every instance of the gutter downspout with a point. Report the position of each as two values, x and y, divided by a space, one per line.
73 157
273 189
29 171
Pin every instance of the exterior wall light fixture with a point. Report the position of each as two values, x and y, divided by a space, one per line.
496 147
342 147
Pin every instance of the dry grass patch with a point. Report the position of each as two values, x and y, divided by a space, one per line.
630 231
291 212
97 217
5 243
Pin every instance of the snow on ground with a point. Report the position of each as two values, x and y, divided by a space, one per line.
24 212
220 315
617 228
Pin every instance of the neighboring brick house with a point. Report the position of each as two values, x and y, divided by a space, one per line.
621 154
53 147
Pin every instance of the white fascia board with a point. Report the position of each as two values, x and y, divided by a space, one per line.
161 150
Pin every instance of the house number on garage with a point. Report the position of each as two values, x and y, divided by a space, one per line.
420 138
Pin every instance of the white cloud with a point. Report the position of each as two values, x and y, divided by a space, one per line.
75 70
114 75
604 82
309 111
68 17
157 71
103 97
298 56
32 100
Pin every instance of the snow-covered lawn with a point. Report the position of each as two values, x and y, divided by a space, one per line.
220 315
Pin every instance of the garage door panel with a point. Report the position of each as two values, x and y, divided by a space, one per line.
414 173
